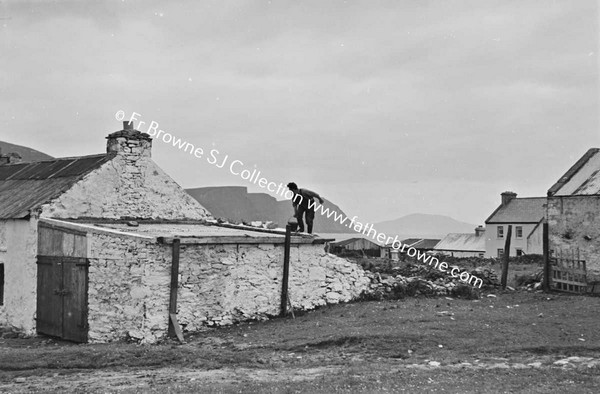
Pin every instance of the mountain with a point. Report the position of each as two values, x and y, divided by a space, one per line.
424 225
26 153
235 203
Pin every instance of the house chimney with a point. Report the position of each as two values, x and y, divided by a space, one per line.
507 197
479 231
129 142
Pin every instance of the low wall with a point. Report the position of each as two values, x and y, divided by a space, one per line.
219 284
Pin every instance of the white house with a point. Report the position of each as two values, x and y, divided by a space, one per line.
526 216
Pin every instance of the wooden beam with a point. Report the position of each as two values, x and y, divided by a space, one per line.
215 240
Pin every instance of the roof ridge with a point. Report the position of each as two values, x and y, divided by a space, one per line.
563 180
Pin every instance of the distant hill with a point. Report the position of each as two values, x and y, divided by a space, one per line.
424 225
26 153
235 203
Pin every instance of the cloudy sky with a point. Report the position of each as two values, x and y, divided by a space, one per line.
384 107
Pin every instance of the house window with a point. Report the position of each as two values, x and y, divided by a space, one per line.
500 231
1 284
500 252
519 231
519 252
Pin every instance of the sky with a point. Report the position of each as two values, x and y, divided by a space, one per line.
386 108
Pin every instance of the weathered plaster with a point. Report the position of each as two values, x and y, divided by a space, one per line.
125 186
574 226
129 282
18 252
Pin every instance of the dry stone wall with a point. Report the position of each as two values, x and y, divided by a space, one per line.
220 284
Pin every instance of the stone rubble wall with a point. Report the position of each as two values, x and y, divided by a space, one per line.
130 186
128 290
574 223
129 283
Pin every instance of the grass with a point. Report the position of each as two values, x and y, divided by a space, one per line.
357 347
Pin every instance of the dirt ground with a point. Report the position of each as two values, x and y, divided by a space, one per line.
504 342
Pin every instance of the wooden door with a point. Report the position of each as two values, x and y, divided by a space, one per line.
49 301
74 297
62 283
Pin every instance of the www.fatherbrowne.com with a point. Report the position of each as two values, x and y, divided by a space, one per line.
237 168
368 230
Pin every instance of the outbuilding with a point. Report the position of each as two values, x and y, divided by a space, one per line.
88 246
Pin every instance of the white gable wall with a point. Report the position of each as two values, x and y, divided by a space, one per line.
125 188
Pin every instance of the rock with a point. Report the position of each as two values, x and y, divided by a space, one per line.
434 364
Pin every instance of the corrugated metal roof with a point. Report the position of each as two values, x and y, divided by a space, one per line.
352 240
25 186
462 242
410 241
583 178
520 210
426 244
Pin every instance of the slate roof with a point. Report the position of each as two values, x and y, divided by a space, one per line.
519 210
25 186
583 178
458 242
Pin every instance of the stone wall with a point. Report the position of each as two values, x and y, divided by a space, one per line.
124 187
574 223
128 290
18 252
129 282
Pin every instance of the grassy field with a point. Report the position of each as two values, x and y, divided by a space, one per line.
507 342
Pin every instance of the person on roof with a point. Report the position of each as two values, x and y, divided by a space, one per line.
303 201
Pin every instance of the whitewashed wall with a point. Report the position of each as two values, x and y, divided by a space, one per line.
18 252
126 188
129 282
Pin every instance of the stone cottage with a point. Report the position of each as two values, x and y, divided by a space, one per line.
87 247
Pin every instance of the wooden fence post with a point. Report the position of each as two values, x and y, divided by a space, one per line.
506 257
286 269
546 251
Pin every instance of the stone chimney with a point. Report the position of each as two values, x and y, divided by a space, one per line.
479 231
507 197
129 142
10 158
